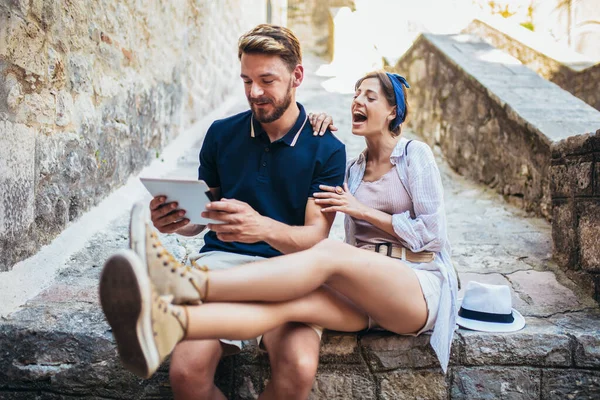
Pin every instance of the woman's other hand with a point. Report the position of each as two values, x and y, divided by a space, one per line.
320 122
336 198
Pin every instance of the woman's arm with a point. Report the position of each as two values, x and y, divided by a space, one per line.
340 199
427 230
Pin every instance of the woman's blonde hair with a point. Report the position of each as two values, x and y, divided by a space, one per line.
388 91
272 39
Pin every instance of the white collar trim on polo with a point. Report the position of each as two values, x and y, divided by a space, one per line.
295 136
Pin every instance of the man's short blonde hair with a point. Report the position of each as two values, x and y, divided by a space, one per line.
272 39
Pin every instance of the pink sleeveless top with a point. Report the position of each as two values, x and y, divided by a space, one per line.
386 194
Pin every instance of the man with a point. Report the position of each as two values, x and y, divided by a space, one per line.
264 165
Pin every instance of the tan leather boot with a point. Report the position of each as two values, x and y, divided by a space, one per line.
187 284
144 325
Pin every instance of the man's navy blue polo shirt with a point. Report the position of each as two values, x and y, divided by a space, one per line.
275 179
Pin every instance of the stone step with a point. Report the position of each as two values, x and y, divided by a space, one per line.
58 345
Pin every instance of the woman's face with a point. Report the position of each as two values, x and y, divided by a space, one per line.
371 112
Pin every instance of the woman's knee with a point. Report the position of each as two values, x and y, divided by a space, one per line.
328 248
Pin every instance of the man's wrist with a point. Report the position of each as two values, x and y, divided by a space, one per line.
190 230
268 228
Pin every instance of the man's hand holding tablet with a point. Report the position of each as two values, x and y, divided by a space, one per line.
178 204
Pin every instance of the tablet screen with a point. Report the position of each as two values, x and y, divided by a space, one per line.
191 195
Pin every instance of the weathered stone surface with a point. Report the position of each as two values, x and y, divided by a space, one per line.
103 89
573 178
584 327
510 383
589 235
385 351
543 294
511 150
538 344
564 234
341 348
570 384
576 223
17 179
343 383
410 384
520 43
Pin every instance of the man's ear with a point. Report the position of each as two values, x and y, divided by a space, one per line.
297 75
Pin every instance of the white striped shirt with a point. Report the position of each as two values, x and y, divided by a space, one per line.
425 231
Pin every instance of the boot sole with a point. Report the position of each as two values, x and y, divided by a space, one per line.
126 299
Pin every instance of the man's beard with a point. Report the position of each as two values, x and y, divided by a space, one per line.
264 116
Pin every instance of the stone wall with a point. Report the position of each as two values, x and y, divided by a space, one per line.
311 21
90 91
501 124
576 208
569 70
494 119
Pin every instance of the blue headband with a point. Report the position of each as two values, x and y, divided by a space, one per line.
397 82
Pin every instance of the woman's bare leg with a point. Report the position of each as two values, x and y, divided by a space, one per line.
385 288
241 321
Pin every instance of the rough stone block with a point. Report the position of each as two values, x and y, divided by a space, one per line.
387 351
64 108
538 344
411 384
248 381
543 294
340 348
582 174
510 383
577 144
589 235
37 108
597 177
584 327
564 234
22 43
343 383
17 179
570 384
559 181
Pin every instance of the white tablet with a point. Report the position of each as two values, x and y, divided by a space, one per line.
191 195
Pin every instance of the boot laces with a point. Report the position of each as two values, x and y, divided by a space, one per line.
164 307
176 266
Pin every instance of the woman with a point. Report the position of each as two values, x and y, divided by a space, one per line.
393 205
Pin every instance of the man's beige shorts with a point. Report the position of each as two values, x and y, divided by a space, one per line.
224 260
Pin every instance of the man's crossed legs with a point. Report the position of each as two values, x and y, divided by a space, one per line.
293 354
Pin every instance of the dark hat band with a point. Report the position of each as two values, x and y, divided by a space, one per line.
486 317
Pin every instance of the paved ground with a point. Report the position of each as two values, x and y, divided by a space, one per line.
492 241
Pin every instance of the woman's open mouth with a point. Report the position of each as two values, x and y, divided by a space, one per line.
358 118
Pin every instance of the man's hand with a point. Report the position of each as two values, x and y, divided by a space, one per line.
166 217
240 222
